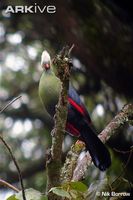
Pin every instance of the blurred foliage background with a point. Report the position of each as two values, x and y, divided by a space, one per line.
102 31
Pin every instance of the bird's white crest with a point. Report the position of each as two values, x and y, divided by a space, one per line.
45 58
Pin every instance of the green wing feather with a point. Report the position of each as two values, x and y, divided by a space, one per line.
49 87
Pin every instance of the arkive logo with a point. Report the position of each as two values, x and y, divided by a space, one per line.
50 9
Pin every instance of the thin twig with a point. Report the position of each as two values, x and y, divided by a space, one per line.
70 50
10 151
11 102
16 164
123 171
8 185
122 152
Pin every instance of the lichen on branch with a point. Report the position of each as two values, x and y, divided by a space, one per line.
125 116
63 67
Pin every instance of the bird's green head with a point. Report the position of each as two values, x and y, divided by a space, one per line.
46 61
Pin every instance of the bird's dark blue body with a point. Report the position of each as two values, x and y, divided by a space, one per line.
79 124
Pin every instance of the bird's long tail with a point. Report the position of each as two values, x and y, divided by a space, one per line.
99 153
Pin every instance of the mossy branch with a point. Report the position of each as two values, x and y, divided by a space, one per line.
62 64
70 171
71 161
125 116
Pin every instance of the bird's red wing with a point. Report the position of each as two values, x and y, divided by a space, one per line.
80 108
76 103
72 130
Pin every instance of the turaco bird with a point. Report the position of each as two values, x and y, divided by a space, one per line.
78 120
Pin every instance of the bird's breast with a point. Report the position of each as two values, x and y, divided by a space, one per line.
49 88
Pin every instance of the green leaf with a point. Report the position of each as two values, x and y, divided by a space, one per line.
60 192
78 186
12 197
31 194
70 190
